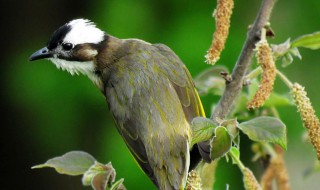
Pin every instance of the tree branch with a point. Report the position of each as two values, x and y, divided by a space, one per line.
233 88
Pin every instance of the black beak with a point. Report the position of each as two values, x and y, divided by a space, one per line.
41 54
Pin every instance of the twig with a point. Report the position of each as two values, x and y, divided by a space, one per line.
234 87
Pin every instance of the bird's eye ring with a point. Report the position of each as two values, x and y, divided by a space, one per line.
67 46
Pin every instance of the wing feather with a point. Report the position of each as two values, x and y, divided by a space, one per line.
153 100
188 96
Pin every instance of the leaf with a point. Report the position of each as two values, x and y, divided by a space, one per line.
231 126
286 60
265 129
281 49
72 163
99 176
220 143
202 129
210 81
235 152
311 41
276 100
286 52
118 185
295 52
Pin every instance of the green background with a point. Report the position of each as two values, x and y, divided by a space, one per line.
47 112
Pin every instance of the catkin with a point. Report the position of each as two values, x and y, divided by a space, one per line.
308 116
266 61
268 177
222 16
276 170
250 182
282 176
194 181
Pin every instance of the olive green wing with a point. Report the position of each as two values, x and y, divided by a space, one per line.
183 83
127 125
188 95
149 116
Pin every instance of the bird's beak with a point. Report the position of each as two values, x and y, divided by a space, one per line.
40 54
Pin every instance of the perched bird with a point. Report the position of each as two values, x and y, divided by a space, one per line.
149 91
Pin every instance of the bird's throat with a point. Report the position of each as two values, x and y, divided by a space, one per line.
76 67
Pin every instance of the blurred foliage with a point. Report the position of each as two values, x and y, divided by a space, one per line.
46 112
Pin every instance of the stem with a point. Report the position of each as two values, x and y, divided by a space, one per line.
254 73
284 79
237 160
275 112
234 87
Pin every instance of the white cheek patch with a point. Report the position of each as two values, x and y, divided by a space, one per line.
83 31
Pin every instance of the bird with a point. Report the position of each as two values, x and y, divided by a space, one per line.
149 92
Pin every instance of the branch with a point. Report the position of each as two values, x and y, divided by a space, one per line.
233 88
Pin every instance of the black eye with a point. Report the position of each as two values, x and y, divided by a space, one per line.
67 46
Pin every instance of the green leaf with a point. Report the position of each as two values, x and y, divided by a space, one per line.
231 126
118 185
285 52
286 60
311 41
265 129
220 143
281 49
235 152
202 129
276 100
210 81
295 52
72 163
99 176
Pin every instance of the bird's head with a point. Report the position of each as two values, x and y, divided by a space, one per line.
73 47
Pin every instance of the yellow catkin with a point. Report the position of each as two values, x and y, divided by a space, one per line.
266 61
250 182
194 181
308 116
267 177
282 176
276 171
222 16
